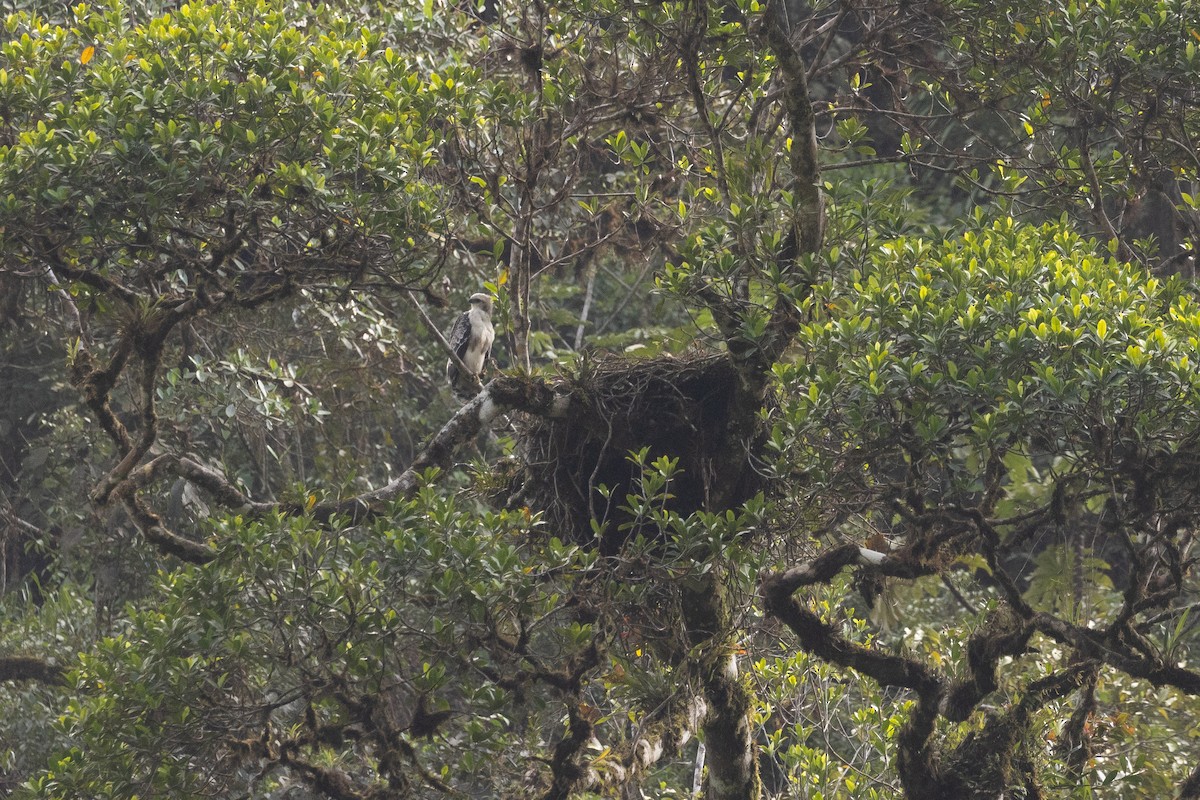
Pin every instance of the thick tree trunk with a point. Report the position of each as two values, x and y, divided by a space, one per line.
731 754
732 765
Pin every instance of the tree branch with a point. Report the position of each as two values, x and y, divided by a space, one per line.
1099 646
824 567
1076 744
437 334
823 640
732 764
151 527
569 775
671 730
809 220
808 205
504 393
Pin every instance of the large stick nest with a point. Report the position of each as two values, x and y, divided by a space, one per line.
676 407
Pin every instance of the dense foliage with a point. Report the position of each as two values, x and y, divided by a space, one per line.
841 439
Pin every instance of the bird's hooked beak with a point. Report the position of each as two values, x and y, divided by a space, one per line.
482 300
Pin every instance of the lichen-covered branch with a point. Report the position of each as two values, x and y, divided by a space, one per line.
463 370
1103 646
753 355
670 729
822 639
150 525
809 221
1002 634
124 482
530 395
568 766
992 761
732 763
987 762
1076 740
331 782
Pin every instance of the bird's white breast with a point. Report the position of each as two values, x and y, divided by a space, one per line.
482 336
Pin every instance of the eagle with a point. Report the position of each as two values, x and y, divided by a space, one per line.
471 339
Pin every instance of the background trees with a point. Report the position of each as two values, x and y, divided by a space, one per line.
887 491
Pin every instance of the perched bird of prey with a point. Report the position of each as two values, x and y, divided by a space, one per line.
471 339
